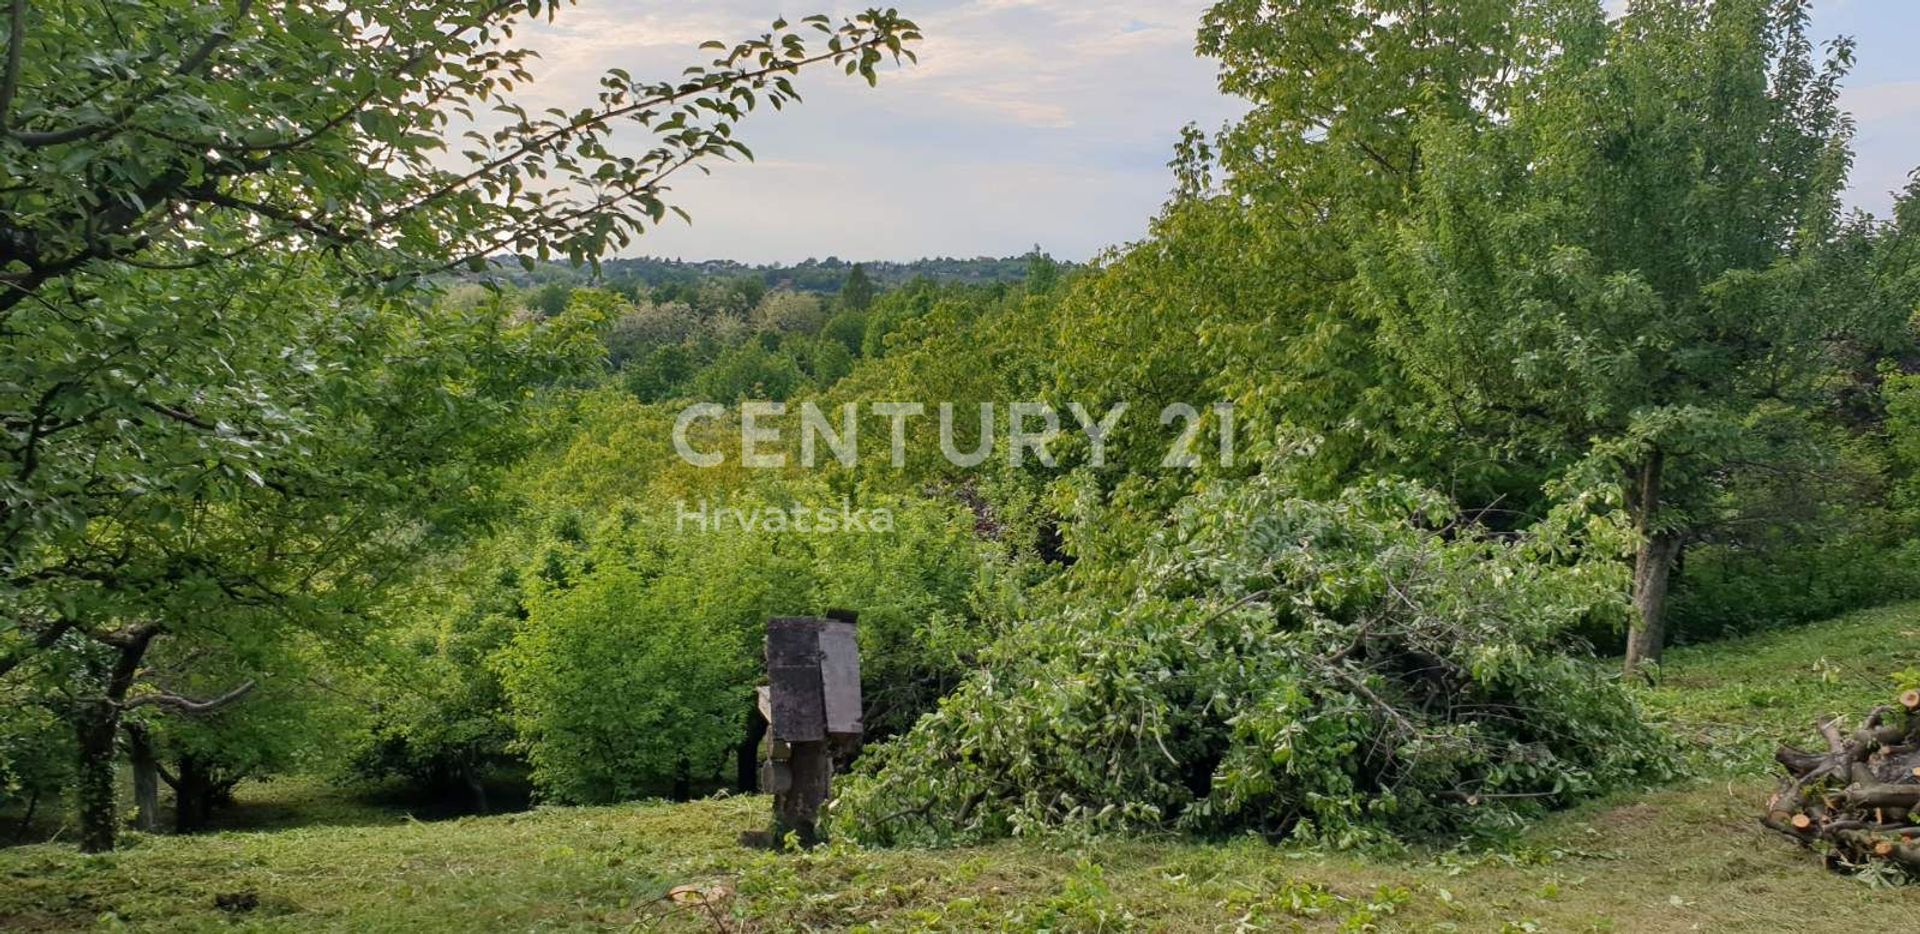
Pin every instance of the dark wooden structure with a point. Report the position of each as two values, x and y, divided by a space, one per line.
812 703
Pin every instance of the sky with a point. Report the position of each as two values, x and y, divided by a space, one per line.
1026 122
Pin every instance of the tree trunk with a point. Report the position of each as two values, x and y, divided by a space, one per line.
192 796
1652 572
683 781
26 820
96 724
747 762
96 728
1653 565
476 790
146 779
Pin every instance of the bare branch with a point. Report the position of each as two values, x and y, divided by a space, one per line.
188 705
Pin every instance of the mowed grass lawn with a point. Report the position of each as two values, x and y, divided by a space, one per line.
1689 858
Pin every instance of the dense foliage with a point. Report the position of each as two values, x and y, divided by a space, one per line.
641 276
1539 326
231 425
634 667
1524 252
1316 669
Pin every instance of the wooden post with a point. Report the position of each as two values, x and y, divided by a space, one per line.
812 703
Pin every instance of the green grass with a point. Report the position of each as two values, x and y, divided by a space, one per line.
1737 699
1683 859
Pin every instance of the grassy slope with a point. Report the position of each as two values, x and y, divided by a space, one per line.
1686 859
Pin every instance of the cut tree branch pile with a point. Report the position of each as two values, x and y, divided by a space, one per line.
1857 803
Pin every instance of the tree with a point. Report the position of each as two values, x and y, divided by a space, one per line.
1042 272
224 416
36 756
788 312
550 299
750 371
294 540
1403 157
1642 267
856 294
1247 288
633 671
648 327
848 328
298 718
223 139
171 133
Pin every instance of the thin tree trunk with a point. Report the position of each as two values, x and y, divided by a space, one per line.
476 790
146 779
747 755
1653 565
96 724
1652 574
192 796
683 781
26 820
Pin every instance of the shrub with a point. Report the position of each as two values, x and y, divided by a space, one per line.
633 671
37 759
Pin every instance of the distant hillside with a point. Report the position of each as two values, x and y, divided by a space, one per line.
813 275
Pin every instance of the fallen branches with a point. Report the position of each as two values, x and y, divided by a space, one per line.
1858 803
1334 671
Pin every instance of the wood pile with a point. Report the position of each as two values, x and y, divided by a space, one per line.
1858 802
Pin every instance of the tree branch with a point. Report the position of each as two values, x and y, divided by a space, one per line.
707 84
138 635
194 61
42 641
188 705
219 37
271 212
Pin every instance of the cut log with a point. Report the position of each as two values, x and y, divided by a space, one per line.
1830 731
1905 797
1910 700
1861 844
1799 763
1859 803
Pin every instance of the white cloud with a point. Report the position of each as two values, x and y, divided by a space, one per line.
1025 121
1876 102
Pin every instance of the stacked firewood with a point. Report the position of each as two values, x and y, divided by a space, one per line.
1857 803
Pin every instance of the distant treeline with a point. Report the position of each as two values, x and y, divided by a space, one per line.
823 276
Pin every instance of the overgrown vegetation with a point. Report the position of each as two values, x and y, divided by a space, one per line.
1515 336
297 859
1304 669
